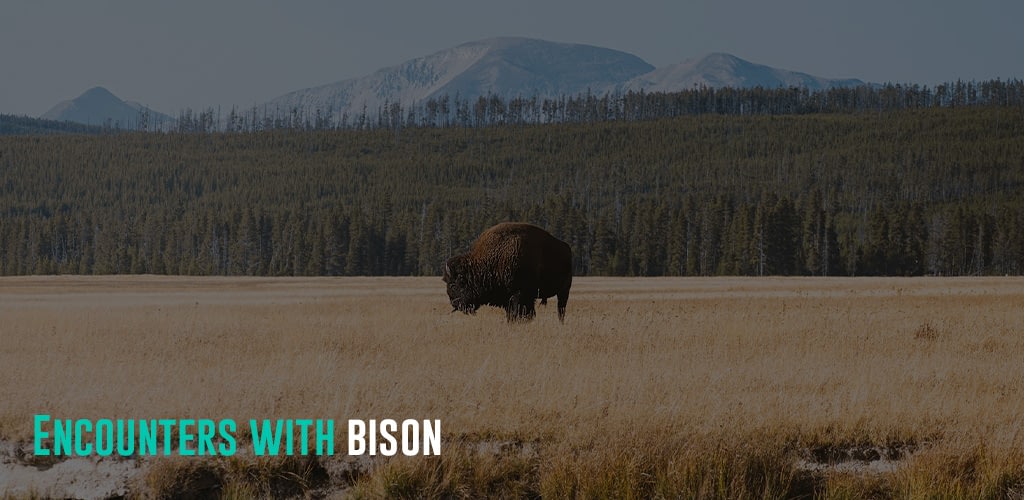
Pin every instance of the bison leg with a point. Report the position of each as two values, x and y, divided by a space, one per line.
520 308
563 299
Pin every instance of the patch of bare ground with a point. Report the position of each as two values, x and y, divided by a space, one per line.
243 475
863 459
23 474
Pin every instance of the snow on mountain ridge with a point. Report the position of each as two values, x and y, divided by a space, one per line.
506 66
523 66
726 70
514 66
406 82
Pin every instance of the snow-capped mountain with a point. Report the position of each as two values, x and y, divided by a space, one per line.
502 66
510 67
726 70
97 106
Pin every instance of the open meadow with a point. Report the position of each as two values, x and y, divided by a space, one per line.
671 387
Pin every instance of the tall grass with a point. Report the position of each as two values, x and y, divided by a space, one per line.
723 387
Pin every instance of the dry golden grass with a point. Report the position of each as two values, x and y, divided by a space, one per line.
724 387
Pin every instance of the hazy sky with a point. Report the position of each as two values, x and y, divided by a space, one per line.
175 54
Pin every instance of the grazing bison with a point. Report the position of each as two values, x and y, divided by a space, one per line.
509 266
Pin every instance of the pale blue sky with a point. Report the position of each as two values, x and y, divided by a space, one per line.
171 55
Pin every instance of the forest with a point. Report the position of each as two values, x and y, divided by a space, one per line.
23 125
892 180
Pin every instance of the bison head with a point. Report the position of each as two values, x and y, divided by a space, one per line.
461 291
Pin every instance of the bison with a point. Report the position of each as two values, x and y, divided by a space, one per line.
509 266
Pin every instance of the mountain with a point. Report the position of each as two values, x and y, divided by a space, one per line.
506 67
511 66
726 70
97 106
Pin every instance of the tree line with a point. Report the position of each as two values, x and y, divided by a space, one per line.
932 190
23 125
497 110
447 111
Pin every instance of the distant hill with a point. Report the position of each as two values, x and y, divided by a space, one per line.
510 67
726 70
98 106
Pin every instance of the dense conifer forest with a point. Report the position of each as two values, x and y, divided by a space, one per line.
893 180
23 125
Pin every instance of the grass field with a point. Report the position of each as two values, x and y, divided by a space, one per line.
718 387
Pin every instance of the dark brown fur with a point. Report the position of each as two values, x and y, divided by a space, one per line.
509 266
